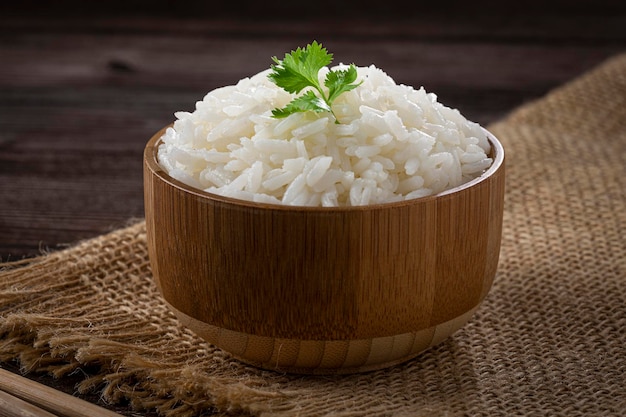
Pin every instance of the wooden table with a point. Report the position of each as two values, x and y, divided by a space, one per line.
82 92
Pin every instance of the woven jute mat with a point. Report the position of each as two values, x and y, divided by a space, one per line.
549 340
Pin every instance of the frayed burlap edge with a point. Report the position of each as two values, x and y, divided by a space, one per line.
72 309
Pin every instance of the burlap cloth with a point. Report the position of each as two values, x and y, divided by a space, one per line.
549 340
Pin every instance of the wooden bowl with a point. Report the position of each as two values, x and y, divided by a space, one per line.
323 290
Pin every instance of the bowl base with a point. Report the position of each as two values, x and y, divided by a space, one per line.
323 357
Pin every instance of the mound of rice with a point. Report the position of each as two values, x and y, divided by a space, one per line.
393 143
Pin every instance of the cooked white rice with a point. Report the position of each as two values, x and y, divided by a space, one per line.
394 143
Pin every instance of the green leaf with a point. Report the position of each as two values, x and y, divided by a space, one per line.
300 69
289 79
340 81
306 102
309 61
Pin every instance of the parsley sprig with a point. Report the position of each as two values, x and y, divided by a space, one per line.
299 70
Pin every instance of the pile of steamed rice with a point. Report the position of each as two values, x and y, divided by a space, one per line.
393 143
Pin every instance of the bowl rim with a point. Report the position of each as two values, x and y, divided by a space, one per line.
150 158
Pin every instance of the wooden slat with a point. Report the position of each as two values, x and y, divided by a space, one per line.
300 10
11 406
47 401
199 63
601 26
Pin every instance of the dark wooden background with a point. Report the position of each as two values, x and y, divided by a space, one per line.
83 85
81 91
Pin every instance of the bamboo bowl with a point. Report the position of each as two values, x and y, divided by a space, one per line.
323 290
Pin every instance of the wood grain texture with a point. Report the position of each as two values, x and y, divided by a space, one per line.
300 10
44 401
313 274
324 357
11 406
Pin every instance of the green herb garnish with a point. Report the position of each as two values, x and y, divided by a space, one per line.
299 70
